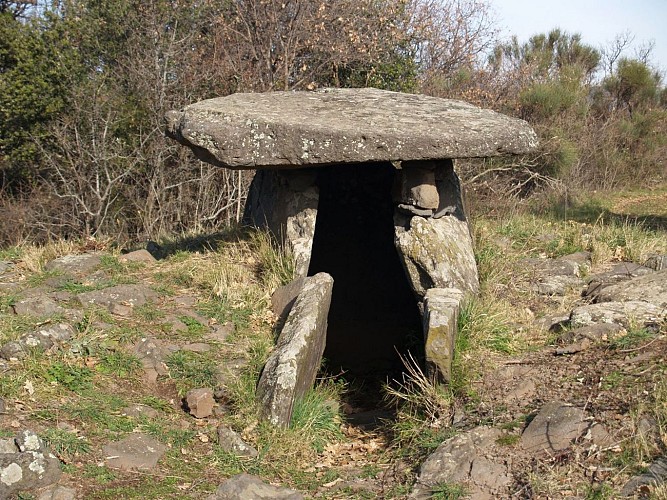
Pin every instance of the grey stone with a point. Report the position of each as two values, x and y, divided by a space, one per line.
620 272
285 203
593 333
13 350
441 311
621 313
5 266
57 492
462 460
650 288
137 451
410 210
654 476
656 262
231 442
139 410
196 347
555 276
75 264
41 339
152 354
120 298
290 129
554 428
292 367
39 306
437 253
245 486
142 256
8 446
200 402
416 185
221 332
29 466
283 298
553 322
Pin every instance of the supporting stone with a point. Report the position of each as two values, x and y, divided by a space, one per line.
292 367
441 312
285 203
437 253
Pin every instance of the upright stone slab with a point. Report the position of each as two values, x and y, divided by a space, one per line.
441 311
292 367
438 253
285 203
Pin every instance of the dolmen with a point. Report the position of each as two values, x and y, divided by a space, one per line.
359 185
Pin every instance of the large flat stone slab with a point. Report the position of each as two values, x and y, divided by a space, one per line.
291 369
294 129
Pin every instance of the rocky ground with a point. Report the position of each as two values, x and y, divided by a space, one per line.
127 376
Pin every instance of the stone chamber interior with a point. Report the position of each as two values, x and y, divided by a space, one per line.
374 313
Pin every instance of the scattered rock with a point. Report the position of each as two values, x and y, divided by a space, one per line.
244 486
5 266
598 435
200 402
27 465
621 313
651 288
656 262
584 337
119 299
137 451
464 459
221 332
441 312
555 276
152 354
620 272
185 300
196 347
554 428
292 367
57 492
75 264
553 322
231 442
39 306
41 339
654 476
138 411
143 256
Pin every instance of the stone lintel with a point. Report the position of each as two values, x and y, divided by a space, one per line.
334 126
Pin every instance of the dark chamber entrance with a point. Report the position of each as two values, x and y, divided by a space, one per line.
373 310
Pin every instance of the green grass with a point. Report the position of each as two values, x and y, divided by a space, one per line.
71 376
634 338
118 363
447 491
315 417
192 370
66 444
